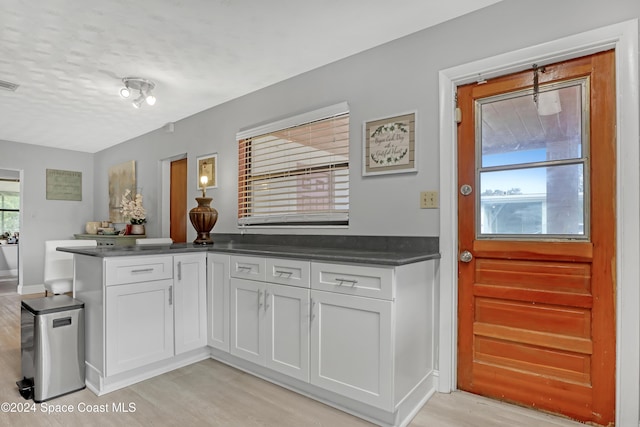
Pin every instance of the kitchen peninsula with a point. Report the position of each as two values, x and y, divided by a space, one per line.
348 321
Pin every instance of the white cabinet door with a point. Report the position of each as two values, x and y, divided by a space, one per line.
247 320
139 325
287 317
190 292
351 347
218 300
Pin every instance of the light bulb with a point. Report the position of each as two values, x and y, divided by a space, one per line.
125 92
137 103
204 180
151 99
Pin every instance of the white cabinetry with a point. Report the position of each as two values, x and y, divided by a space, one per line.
190 306
287 315
351 347
247 324
356 336
353 335
270 322
351 331
139 324
218 300
139 312
143 315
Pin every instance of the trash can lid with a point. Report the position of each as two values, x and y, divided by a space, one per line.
52 304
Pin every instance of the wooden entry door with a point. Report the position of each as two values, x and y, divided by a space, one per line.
536 270
178 201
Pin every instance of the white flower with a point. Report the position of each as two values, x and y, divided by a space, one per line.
132 208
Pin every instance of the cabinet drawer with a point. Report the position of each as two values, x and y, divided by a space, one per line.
288 272
138 269
373 282
247 267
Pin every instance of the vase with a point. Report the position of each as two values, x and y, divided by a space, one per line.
137 229
203 217
92 227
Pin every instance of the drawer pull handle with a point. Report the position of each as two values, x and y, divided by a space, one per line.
142 270
343 281
244 268
281 272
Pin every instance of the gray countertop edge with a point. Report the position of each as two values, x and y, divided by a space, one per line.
276 251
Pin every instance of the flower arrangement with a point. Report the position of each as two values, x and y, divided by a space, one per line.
132 208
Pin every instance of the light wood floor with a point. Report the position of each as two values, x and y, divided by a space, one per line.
210 393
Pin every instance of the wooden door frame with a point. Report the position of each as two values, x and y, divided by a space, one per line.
622 37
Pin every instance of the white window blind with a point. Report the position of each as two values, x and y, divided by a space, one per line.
296 171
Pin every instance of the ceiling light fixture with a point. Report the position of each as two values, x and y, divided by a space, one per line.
144 88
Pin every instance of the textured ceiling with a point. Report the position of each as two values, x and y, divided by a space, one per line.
69 56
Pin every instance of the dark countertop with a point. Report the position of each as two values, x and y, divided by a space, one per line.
358 253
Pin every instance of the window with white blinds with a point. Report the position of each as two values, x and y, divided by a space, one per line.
296 171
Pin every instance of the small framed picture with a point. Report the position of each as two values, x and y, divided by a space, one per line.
208 167
389 145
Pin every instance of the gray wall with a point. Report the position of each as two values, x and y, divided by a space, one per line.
44 219
390 79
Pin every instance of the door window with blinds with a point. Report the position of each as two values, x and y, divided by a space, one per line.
296 171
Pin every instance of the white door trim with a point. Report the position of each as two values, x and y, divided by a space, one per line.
624 38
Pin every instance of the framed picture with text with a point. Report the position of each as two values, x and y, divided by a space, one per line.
208 166
389 145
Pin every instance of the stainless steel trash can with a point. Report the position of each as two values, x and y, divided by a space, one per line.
52 347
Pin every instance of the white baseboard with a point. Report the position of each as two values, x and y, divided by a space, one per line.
30 289
101 385
9 273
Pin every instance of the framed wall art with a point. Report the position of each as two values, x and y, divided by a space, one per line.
64 185
208 166
122 177
389 145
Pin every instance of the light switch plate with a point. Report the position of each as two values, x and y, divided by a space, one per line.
428 199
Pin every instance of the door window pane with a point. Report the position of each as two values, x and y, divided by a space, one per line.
533 201
515 130
9 212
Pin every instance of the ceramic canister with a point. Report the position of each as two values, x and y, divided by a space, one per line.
92 227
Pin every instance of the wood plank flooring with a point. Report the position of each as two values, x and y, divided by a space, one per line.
210 393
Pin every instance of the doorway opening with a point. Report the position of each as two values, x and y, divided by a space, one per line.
10 220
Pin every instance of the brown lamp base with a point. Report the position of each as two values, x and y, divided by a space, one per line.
203 217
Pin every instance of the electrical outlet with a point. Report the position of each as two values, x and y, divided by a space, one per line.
428 199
